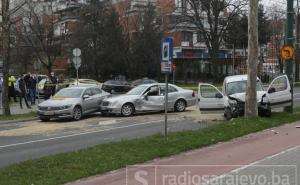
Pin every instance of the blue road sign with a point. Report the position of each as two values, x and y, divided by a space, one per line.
166 56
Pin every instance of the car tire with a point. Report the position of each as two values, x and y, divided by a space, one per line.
228 113
127 109
77 113
265 113
45 119
180 105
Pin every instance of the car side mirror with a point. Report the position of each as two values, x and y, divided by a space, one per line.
146 96
86 96
219 95
271 90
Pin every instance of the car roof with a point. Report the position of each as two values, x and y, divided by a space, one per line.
148 85
80 87
235 78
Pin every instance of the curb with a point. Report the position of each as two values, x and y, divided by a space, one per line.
18 120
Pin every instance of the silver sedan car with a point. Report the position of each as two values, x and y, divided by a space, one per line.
72 102
149 98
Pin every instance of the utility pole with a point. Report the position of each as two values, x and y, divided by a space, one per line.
297 54
289 41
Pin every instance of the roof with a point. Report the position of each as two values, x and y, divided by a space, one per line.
235 78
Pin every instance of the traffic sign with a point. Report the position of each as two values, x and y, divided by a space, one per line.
77 62
287 52
76 52
166 55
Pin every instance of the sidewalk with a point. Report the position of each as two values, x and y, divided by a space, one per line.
15 108
239 152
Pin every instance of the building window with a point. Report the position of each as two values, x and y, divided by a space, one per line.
187 36
200 37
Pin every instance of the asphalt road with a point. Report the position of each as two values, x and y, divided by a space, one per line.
29 140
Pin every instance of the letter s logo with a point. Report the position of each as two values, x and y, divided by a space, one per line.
138 177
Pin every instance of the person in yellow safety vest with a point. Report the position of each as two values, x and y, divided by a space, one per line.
11 88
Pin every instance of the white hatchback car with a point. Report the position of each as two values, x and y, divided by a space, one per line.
231 100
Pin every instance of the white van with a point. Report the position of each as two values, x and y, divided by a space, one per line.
231 100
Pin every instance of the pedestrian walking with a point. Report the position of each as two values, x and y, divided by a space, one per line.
11 88
26 79
22 88
53 80
32 81
1 89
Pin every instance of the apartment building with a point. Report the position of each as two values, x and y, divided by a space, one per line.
190 55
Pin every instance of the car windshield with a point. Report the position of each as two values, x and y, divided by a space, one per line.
240 87
137 90
69 93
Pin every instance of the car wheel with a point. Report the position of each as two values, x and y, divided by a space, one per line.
127 109
228 113
44 119
266 113
77 113
180 106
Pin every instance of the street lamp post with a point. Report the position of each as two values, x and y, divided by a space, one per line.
289 41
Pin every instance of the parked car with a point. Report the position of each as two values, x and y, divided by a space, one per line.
73 102
41 77
149 98
231 100
40 87
116 86
142 81
83 82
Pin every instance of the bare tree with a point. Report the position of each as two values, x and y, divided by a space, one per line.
38 27
251 96
7 13
210 18
277 17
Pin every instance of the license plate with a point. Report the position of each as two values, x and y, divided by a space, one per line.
48 113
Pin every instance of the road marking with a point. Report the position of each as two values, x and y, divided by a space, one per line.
108 122
256 163
85 133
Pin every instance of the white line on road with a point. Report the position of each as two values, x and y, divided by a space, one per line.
108 122
256 163
85 133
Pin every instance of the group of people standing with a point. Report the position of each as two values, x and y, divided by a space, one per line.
25 87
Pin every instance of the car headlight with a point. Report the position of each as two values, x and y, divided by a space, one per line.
232 102
65 107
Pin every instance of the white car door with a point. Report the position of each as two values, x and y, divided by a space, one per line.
210 99
154 101
279 92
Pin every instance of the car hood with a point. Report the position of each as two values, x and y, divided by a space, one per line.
60 101
242 96
122 98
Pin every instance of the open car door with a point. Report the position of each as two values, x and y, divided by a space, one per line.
210 99
279 92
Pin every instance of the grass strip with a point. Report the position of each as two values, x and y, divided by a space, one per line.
68 167
18 116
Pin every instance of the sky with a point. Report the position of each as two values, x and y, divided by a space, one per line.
270 2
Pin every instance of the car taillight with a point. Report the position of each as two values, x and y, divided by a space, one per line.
193 94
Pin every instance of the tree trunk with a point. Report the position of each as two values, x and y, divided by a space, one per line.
251 100
5 42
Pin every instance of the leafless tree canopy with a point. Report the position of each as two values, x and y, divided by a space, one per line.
36 29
